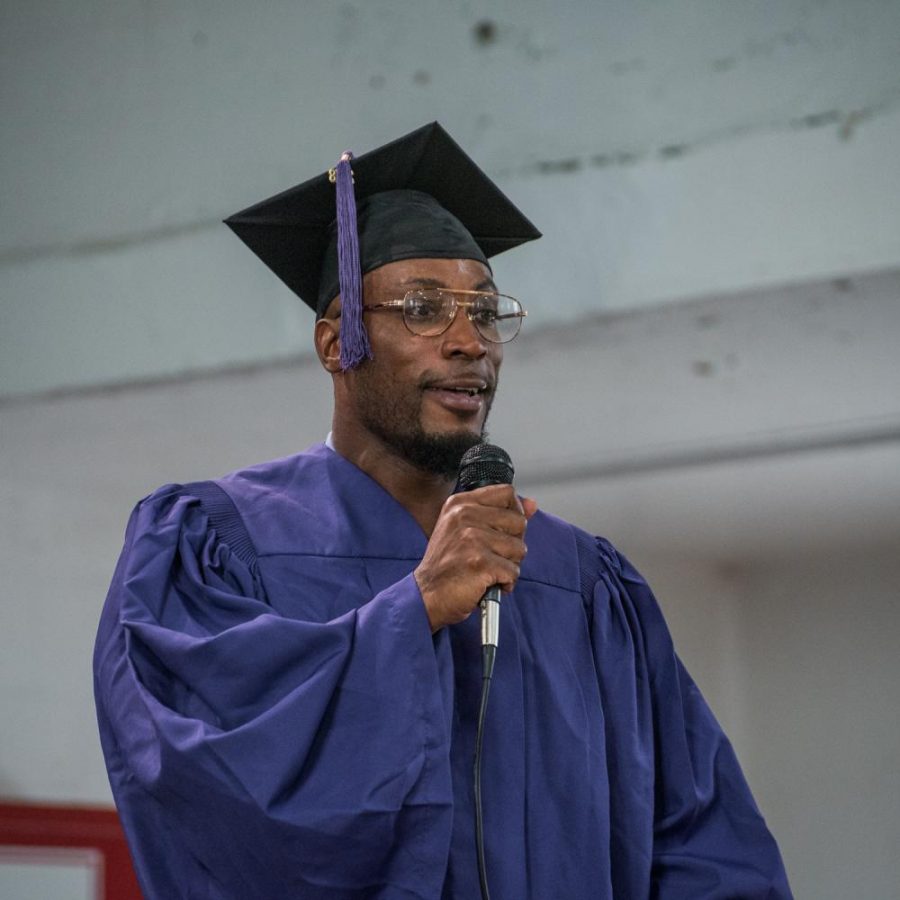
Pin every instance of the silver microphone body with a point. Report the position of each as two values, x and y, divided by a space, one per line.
490 617
482 465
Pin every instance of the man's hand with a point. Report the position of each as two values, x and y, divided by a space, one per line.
477 542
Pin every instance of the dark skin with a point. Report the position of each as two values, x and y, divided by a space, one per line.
476 539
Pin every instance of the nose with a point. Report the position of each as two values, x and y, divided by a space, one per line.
463 339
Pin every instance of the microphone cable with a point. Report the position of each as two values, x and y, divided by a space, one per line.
482 465
488 654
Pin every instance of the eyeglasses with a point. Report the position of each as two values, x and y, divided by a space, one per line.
428 313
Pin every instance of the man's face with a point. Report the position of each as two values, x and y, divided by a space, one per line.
416 394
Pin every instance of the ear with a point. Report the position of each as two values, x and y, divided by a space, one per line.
328 344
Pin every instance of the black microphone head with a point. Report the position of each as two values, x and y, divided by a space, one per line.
482 465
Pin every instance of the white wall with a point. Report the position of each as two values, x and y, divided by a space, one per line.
666 149
798 657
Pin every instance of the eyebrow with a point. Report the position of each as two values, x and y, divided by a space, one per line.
486 284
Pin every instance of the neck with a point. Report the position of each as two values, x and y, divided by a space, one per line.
422 494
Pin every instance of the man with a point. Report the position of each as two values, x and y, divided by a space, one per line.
287 669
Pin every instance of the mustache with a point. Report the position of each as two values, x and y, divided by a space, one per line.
433 379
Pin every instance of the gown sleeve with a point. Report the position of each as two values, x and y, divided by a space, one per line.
253 755
681 810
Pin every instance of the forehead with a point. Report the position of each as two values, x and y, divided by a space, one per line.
405 274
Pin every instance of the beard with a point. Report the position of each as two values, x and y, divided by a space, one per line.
394 415
435 454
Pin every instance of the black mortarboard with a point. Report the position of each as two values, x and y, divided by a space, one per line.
418 196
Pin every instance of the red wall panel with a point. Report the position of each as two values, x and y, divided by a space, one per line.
26 825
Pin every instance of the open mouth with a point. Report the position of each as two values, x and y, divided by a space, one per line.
469 392
471 385
461 398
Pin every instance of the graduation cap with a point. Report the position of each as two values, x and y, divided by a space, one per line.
419 196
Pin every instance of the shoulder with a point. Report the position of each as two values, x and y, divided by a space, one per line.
591 565
272 480
558 545
282 477
229 505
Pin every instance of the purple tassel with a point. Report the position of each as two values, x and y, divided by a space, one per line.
354 339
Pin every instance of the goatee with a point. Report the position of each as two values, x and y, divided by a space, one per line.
393 414
436 454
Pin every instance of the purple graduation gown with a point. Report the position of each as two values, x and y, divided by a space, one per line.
278 721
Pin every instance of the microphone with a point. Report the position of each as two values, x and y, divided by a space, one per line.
480 466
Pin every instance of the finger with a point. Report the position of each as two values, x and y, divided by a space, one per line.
510 577
502 495
508 521
490 519
508 547
494 546
526 506
495 569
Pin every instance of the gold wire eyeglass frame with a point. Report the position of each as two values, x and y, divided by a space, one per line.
470 306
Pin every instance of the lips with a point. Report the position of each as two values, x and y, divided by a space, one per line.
467 391
470 386
460 395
